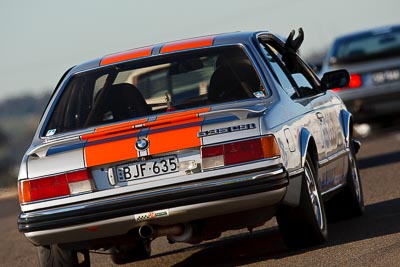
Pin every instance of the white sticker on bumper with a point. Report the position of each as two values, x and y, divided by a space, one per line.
151 215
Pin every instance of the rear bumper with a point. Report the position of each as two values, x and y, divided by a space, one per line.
44 226
368 104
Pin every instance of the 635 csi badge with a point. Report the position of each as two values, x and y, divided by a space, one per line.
224 130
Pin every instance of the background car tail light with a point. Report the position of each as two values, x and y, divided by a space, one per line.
55 186
355 82
239 152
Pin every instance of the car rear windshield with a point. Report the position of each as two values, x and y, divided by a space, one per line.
154 85
371 45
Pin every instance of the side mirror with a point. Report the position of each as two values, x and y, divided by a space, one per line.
335 79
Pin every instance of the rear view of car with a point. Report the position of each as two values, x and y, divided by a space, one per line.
186 140
372 58
169 139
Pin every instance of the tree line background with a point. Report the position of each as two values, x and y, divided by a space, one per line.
19 118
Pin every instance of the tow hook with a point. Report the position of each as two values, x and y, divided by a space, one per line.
356 145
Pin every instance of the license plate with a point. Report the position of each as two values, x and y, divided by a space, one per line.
148 168
386 76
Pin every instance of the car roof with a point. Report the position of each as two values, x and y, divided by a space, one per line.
170 47
371 31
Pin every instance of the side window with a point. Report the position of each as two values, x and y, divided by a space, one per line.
280 76
294 70
301 80
304 86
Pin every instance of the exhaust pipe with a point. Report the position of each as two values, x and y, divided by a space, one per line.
175 233
146 231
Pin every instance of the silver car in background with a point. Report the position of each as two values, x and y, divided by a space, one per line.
372 57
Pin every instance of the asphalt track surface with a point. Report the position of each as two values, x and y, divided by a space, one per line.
370 240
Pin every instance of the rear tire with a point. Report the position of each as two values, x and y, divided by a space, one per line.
132 252
53 255
349 202
306 224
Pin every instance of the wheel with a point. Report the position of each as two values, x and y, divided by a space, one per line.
53 255
306 224
349 202
131 252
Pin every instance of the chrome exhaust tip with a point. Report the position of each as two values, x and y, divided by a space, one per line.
146 231
175 233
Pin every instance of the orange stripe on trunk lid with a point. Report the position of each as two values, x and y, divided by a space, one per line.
169 132
181 132
110 151
177 136
111 143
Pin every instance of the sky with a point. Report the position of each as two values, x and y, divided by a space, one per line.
41 39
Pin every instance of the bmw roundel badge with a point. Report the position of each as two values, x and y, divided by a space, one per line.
142 144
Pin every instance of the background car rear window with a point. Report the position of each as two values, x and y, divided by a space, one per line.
367 45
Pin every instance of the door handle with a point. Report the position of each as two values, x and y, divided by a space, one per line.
320 116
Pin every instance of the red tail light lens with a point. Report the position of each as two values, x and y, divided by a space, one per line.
244 151
48 187
212 151
239 152
355 82
55 186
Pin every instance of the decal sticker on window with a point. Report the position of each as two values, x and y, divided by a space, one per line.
51 132
259 94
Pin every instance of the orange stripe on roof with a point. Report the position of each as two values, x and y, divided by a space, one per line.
187 44
127 55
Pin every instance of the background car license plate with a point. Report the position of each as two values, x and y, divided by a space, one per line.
148 168
386 76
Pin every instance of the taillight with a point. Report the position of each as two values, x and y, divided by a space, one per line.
355 82
239 152
55 186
